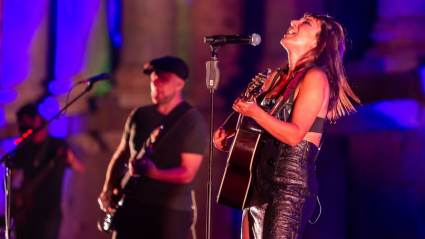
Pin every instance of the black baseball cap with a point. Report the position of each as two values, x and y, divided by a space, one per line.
168 64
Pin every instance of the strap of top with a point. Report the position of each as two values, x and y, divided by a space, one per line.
318 125
284 105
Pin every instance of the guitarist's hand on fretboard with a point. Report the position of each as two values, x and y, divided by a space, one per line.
238 173
249 109
139 167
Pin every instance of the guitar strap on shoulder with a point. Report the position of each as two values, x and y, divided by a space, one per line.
41 154
290 90
287 98
47 168
278 74
172 119
167 123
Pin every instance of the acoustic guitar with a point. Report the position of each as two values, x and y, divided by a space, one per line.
244 150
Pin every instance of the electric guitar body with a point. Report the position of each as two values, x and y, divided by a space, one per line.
126 186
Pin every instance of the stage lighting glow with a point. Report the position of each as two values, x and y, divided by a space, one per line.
58 87
2 117
422 73
391 109
59 127
114 22
49 107
74 25
8 145
7 96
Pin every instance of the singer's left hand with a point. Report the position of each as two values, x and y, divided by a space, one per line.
250 109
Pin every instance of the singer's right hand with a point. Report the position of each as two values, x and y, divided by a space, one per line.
220 139
104 200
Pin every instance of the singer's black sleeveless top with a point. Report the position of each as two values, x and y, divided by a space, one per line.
285 111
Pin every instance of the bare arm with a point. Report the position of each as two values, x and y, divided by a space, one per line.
183 174
313 91
117 164
75 163
228 129
115 168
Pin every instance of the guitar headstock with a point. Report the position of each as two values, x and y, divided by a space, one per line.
255 87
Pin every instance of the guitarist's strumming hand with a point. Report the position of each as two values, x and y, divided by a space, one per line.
249 109
104 200
220 139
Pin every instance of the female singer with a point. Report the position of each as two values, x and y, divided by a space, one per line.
283 190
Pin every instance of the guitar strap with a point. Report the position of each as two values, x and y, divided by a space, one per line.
41 154
46 170
169 122
286 100
290 90
278 74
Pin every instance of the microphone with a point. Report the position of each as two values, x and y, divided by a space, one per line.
91 80
220 40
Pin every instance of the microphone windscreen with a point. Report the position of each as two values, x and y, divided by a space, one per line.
255 39
106 76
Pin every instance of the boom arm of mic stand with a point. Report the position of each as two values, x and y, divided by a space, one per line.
7 160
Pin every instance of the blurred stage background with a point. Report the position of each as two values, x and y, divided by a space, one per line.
371 168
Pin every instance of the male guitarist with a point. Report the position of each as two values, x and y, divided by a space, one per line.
160 206
42 161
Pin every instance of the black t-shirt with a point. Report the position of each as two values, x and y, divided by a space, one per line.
188 136
33 159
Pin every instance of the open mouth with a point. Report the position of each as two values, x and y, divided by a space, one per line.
291 31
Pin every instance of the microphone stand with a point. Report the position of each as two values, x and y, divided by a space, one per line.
213 77
7 159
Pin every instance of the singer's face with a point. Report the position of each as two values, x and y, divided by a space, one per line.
302 35
165 87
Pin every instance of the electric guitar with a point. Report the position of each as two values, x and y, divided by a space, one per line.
127 185
22 199
245 147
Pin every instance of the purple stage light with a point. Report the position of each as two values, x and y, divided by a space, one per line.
58 87
7 96
2 117
49 107
422 74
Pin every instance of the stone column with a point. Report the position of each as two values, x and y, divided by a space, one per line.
148 32
399 38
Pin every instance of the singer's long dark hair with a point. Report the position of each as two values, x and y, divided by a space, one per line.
327 56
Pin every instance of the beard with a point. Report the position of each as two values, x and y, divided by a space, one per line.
161 99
